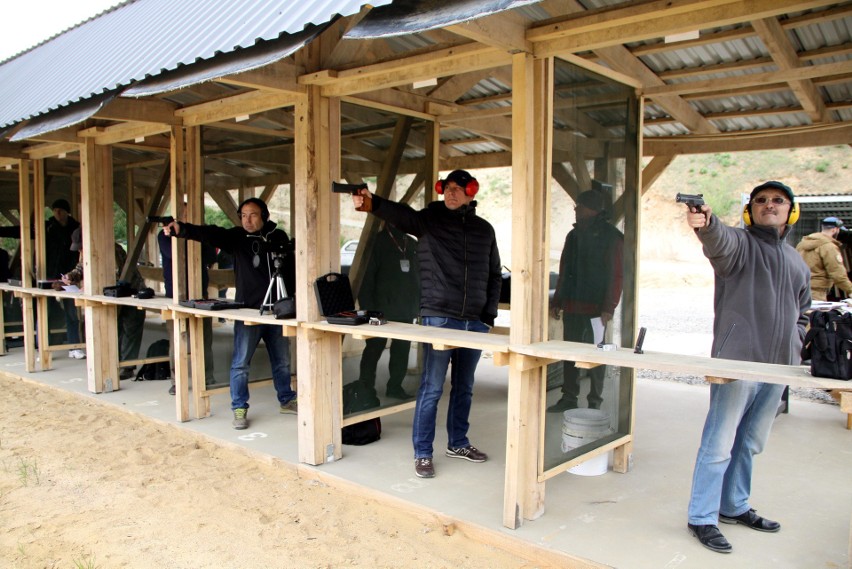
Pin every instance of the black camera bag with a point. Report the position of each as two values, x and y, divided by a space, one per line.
828 344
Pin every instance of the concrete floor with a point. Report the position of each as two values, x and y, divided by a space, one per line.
634 520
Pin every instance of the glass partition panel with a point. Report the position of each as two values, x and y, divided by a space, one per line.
386 152
592 258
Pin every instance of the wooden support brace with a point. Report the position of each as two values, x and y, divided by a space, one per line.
521 362
586 365
714 379
289 331
501 359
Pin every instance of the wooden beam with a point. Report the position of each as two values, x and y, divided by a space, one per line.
229 107
139 110
709 85
643 21
778 45
123 132
505 31
772 139
279 76
468 57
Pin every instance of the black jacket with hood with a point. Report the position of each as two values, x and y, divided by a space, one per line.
252 279
460 271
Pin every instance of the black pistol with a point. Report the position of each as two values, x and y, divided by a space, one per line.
161 219
691 200
353 189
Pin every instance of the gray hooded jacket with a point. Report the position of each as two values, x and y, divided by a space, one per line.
762 293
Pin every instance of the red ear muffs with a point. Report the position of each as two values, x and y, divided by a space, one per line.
470 189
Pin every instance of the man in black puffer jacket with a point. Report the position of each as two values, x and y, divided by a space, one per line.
251 245
460 286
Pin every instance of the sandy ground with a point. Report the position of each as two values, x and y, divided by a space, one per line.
85 485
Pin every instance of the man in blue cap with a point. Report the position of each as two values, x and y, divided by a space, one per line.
822 253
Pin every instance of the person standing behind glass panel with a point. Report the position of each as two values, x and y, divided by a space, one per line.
391 284
591 277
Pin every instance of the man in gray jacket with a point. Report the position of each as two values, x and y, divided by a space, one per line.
762 294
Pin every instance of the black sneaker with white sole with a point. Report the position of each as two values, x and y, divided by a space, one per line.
470 453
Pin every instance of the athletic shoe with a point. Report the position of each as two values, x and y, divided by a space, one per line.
470 453
424 468
290 408
77 354
240 420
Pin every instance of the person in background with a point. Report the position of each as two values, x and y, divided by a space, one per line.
460 280
208 256
762 295
391 284
131 320
591 276
821 252
59 259
252 245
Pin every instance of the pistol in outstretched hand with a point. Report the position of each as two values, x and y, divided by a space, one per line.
161 219
691 200
353 189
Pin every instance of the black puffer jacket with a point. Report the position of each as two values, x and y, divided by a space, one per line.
251 281
459 263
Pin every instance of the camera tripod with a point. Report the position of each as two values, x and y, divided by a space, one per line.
276 281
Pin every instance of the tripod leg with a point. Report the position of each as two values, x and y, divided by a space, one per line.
267 298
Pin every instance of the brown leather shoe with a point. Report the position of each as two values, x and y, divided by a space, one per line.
424 468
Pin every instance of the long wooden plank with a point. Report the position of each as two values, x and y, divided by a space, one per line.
797 376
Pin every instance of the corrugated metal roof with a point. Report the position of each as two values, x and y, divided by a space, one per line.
410 18
144 38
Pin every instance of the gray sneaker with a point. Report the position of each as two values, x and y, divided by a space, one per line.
240 419
290 408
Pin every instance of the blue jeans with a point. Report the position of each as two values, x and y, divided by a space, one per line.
737 428
435 364
246 339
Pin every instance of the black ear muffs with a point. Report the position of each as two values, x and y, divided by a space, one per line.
791 219
470 189
264 210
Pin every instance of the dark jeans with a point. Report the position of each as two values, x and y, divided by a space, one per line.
72 321
435 364
246 339
578 328
397 366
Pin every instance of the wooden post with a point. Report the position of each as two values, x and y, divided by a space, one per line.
42 309
532 127
194 214
99 265
25 196
316 222
178 178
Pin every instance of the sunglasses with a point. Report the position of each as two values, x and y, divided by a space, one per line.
764 200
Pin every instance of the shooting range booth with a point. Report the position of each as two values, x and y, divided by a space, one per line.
353 96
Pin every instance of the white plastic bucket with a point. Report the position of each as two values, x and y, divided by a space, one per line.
581 427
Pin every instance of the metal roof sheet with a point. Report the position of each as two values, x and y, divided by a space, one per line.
144 38
410 18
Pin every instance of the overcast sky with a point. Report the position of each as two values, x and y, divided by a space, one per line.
29 22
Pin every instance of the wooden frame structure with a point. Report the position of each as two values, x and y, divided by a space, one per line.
322 114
